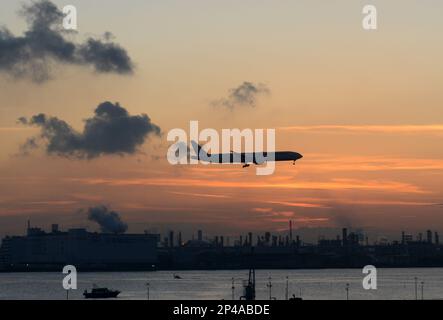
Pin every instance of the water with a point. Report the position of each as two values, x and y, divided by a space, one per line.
201 285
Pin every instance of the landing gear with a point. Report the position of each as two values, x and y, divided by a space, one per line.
246 165
293 163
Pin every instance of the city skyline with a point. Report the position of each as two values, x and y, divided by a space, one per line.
284 236
41 250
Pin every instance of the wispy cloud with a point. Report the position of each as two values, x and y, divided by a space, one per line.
262 210
13 129
394 129
52 202
279 216
202 195
326 203
299 204
329 162
305 221
245 94
334 184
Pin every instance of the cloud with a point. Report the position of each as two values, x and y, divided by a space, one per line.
110 131
389 129
44 43
299 204
335 184
271 215
343 216
203 195
109 221
329 162
245 94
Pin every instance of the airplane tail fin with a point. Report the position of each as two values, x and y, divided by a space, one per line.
199 151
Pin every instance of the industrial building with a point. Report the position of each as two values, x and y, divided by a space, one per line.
40 250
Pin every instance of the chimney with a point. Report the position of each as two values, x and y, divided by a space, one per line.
290 231
54 228
171 239
345 236
429 236
180 241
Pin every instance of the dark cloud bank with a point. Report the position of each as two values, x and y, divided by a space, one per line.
109 221
245 94
111 130
45 42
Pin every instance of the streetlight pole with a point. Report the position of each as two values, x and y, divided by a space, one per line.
269 285
287 289
415 284
233 289
347 291
147 289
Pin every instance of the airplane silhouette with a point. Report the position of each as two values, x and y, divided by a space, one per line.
245 158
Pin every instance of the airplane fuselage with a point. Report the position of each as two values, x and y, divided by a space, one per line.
245 158
253 157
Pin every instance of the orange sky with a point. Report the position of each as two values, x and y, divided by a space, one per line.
364 108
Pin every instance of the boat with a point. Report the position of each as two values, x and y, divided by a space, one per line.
101 293
294 298
249 287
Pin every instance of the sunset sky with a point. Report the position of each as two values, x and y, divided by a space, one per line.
365 108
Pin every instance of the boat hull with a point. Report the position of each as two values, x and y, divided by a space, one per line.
107 295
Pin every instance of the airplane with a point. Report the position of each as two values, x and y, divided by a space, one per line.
245 158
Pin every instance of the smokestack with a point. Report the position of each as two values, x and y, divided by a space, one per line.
200 235
345 236
437 239
180 242
171 238
290 231
429 236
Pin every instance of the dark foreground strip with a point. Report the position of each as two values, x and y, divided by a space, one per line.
169 310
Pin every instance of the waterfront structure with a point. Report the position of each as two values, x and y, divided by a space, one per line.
85 250
40 250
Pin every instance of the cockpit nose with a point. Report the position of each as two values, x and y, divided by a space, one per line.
297 156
